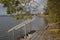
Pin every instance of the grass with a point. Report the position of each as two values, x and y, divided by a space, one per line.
52 33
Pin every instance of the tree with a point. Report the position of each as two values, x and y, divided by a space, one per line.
16 8
53 7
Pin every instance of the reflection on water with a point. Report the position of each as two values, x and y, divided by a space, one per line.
8 22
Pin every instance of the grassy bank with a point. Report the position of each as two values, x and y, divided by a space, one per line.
53 32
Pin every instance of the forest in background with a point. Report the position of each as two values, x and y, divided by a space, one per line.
53 10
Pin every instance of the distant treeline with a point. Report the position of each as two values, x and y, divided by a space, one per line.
4 16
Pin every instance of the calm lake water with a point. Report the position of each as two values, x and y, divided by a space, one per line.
8 22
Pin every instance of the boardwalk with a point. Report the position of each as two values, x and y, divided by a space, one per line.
39 35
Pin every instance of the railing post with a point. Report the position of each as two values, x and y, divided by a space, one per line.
30 27
13 34
25 33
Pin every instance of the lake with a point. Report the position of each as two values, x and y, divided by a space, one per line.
8 22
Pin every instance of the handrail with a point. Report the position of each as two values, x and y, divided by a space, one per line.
21 25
